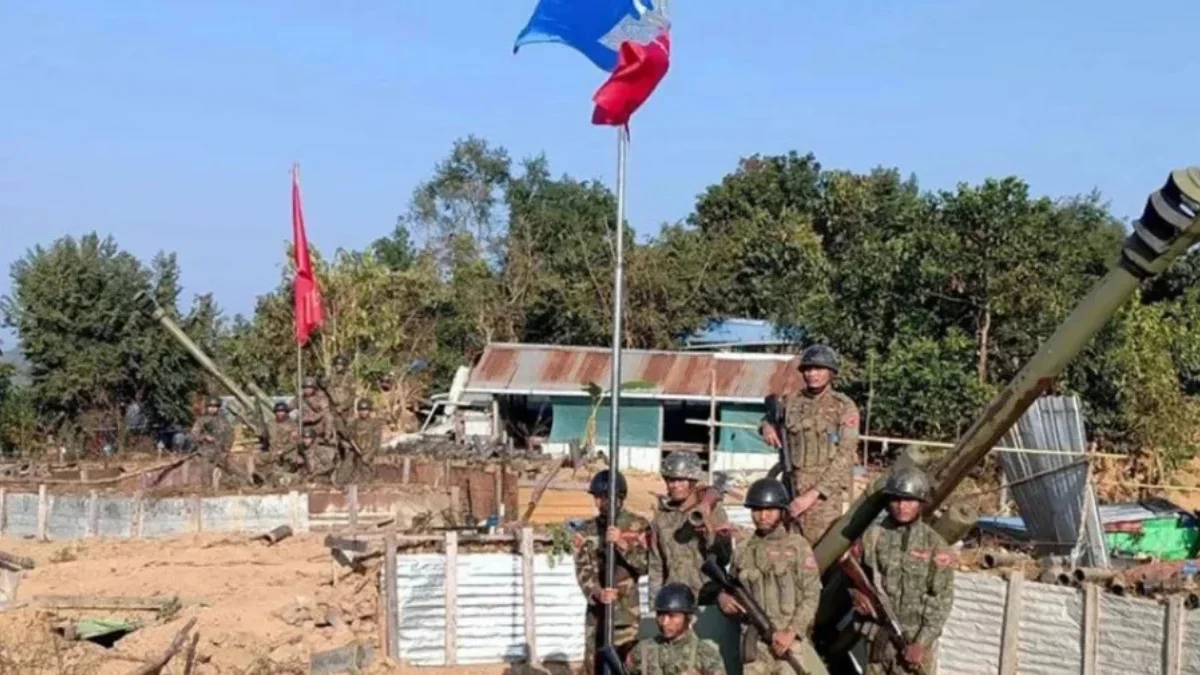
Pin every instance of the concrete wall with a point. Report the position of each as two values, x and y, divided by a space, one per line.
66 517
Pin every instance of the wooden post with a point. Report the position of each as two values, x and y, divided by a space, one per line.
451 598
1012 624
391 596
1173 640
3 510
1091 628
197 513
454 504
405 469
352 504
527 595
712 422
43 514
498 488
496 435
93 522
135 529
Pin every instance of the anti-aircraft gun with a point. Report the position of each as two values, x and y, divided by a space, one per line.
253 409
1168 227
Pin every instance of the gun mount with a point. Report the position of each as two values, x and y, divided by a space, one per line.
1168 227
254 409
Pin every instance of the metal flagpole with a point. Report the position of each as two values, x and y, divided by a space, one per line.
615 384
299 347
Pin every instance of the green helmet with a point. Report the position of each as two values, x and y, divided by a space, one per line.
599 485
363 404
213 402
340 360
681 464
907 483
675 597
309 432
820 356
309 382
766 493
281 407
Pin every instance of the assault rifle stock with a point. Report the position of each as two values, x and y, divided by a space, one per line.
883 609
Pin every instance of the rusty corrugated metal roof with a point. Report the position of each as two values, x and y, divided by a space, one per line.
547 369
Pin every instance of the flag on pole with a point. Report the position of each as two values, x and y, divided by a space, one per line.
629 39
308 311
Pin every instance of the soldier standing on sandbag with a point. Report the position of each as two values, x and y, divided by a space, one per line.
822 428
676 650
778 568
629 536
913 566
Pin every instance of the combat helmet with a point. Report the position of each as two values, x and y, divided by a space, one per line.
820 356
363 404
340 360
309 382
907 483
675 597
309 432
212 402
680 464
766 493
599 485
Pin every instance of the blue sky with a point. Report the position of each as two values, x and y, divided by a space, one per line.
172 125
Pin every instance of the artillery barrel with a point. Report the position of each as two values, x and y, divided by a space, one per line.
151 308
1167 228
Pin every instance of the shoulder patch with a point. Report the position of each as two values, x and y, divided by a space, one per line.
921 554
810 562
945 558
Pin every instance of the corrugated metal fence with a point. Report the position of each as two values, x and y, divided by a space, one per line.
996 625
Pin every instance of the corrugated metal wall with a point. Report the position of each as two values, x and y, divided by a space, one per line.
490 619
639 421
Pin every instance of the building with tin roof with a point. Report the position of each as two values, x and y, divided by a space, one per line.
545 395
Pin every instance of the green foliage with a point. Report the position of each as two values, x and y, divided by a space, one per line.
91 354
934 299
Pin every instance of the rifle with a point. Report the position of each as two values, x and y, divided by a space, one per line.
339 424
777 418
609 657
754 611
883 609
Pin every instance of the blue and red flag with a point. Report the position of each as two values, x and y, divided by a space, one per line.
630 39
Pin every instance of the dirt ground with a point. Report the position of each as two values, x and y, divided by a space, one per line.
257 608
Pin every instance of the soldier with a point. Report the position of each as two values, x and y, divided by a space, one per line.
678 548
629 537
282 435
822 428
914 567
676 650
316 407
367 434
320 457
341 388
778 568
211 433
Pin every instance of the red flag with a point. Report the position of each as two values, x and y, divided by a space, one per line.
640 67
309 313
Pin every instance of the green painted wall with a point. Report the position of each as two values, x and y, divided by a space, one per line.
741 440
639 421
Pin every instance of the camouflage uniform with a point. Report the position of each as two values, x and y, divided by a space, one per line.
315 414
823 437
781 574
212 434
341 389
914 567
282 437
589 572
685 655
677 549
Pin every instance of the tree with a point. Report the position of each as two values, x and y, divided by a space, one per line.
91 354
